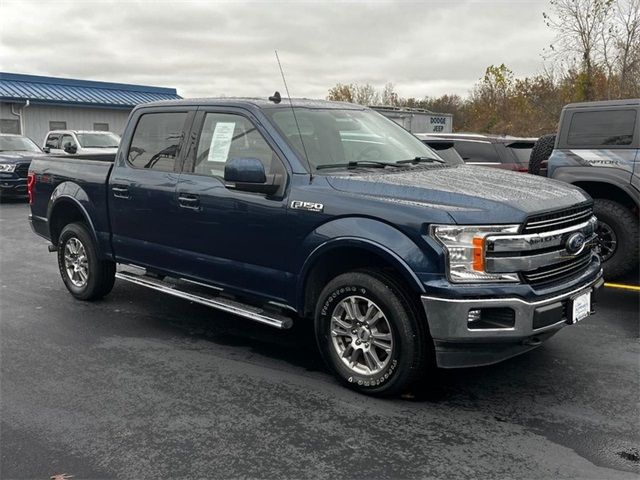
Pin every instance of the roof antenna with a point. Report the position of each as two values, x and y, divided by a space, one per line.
276 96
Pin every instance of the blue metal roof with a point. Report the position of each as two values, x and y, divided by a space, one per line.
66 91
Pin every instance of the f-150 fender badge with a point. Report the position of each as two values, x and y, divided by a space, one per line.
309 206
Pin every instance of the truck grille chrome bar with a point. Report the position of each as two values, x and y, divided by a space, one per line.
558 272
552 247
558 220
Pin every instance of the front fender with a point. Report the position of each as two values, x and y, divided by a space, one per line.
378 237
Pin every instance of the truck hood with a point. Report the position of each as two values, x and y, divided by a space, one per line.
18 157
470 194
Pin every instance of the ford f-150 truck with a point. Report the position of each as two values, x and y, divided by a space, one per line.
329 213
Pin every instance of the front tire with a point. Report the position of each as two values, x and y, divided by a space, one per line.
618 237
370 334
85 275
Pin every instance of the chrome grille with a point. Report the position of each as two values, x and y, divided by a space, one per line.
22 169
558 220
558 271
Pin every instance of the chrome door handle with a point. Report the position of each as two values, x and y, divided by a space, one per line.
120 191
189 201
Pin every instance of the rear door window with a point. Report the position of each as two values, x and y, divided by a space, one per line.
53 141
520 151
156 141
67 140
473 151
602 128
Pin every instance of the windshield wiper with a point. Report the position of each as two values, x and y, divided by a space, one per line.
361 163
422 159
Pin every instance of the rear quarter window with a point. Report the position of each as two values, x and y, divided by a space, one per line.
156 141
473 151
602 128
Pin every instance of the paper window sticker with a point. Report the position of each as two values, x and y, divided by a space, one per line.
221 141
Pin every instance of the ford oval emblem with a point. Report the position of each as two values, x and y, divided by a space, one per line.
575 242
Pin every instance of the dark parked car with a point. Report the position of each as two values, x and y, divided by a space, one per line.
443 147
597 148
336 216
16 153
509 153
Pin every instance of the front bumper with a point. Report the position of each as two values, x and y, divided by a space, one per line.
531 323
14 187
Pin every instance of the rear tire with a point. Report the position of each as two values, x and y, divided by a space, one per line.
541 152
370 334
618 236
85 275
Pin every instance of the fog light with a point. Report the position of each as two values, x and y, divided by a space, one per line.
491 318
474 316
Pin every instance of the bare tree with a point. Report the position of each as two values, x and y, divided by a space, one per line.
627 43
579 27
389 96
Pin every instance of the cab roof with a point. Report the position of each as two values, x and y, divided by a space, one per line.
606 103
261 103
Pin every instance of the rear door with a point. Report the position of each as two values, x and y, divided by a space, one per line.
142 188
232 238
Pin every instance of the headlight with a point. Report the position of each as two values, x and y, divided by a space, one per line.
465 249
6 167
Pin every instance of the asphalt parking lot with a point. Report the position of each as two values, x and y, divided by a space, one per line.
140 385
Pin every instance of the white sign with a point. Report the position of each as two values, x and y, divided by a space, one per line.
581 307
221 142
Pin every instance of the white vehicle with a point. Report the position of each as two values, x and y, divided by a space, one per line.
81 142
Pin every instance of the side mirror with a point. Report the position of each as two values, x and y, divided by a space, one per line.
70 148
248 175
46 150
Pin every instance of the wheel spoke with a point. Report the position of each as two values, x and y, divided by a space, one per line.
354 357
386 346
341 323
350 308
373 315
372 360
338 332
348 350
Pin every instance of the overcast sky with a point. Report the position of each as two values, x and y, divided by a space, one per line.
212 48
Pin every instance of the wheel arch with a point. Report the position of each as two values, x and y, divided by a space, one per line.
64 209
345 254
608 191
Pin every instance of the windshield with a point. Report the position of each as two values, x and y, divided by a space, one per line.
98 140
17 144
339 137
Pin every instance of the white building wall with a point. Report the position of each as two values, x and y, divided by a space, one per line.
37 118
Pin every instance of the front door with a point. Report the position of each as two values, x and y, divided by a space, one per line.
234 239
142 191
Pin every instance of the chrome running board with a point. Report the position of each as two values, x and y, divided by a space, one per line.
210 299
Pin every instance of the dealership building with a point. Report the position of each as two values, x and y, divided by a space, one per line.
32 105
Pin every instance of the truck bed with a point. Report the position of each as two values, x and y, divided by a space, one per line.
83 179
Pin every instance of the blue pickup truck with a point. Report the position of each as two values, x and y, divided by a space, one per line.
329 213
